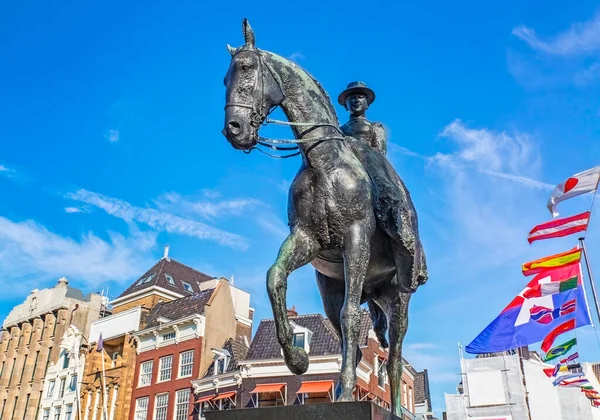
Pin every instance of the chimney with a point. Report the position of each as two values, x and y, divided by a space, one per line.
292 312
166 255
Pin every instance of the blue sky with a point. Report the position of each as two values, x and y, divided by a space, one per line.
111 146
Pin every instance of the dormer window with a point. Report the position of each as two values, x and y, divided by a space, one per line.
168 336
145 280
170 280
299 340
187 287
221 363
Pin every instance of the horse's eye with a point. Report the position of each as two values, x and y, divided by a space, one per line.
245 67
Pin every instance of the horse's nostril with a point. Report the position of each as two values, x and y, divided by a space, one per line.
234 127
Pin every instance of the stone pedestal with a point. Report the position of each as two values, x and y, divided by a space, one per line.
359 410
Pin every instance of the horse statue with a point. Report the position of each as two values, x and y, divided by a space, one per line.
350 214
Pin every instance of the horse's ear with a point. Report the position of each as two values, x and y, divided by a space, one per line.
248 34
231 50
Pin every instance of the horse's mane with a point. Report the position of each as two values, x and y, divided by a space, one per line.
328 102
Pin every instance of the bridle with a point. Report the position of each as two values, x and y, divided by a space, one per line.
259 117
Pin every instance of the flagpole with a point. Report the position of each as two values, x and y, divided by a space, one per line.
591 276
103 387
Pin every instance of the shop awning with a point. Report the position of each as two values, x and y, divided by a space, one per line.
205 398
315 386
264 388
224 395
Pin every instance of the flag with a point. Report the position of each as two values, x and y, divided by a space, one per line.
552 335
515 328
570 358
100 345
573 383
569 377
581 183
560 227
552 261
560 350
545 289
545 315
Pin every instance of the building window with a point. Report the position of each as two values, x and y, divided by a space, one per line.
160 407
141 408
220 365
73 384
410 405
187 287
186 363
164 368
69 412
381 366
145 373
26 407
51 385
298 340
65 361
61 388
23 370
182 403
168 336
46 415
404 396
170 279
57 413
115 357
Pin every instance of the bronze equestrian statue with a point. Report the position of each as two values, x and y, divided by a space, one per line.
350 215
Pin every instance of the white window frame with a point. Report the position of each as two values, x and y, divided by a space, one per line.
178 404
168 336
61 387
145 374
51 387
182 365
161 369
187 287
70 414
165 406
141 413
170 279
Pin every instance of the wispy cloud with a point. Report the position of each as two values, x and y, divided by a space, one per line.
6 171
274 225
580 38
113 136
206 208
296 56
159 220
431 357
30 252
74 210
503 155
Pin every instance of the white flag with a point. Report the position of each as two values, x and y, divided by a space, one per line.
581 183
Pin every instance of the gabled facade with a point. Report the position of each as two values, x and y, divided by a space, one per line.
262 378
62 384
30 343
176 347
109 373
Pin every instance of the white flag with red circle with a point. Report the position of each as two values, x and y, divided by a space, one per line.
581 183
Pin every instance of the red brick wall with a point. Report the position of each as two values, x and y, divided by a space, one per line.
168 386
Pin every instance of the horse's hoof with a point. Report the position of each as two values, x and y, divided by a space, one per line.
296 360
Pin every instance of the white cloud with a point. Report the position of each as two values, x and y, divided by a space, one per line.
508 156
274 225
174 202
29 253
6 171
580 38
296 56
113 136
159 220
425 356
74 210
3 168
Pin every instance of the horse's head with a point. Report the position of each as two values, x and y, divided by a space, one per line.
252 92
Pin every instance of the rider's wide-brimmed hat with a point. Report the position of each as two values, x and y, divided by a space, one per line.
356 87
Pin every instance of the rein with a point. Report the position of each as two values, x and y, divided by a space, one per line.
260 117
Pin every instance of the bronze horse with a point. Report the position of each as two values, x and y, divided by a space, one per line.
349 213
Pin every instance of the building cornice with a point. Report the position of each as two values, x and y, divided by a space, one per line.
170 325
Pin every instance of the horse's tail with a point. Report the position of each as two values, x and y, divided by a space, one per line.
379 321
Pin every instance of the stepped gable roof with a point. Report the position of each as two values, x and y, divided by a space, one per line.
179 308
238 350
171 275
324 340
422 393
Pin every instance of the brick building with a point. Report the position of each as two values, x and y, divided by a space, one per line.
166 281
262 378
30 340
177 345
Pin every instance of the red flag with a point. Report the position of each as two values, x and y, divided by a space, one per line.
560 227
561 329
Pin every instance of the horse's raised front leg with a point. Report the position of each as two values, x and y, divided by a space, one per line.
297 250
357 252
